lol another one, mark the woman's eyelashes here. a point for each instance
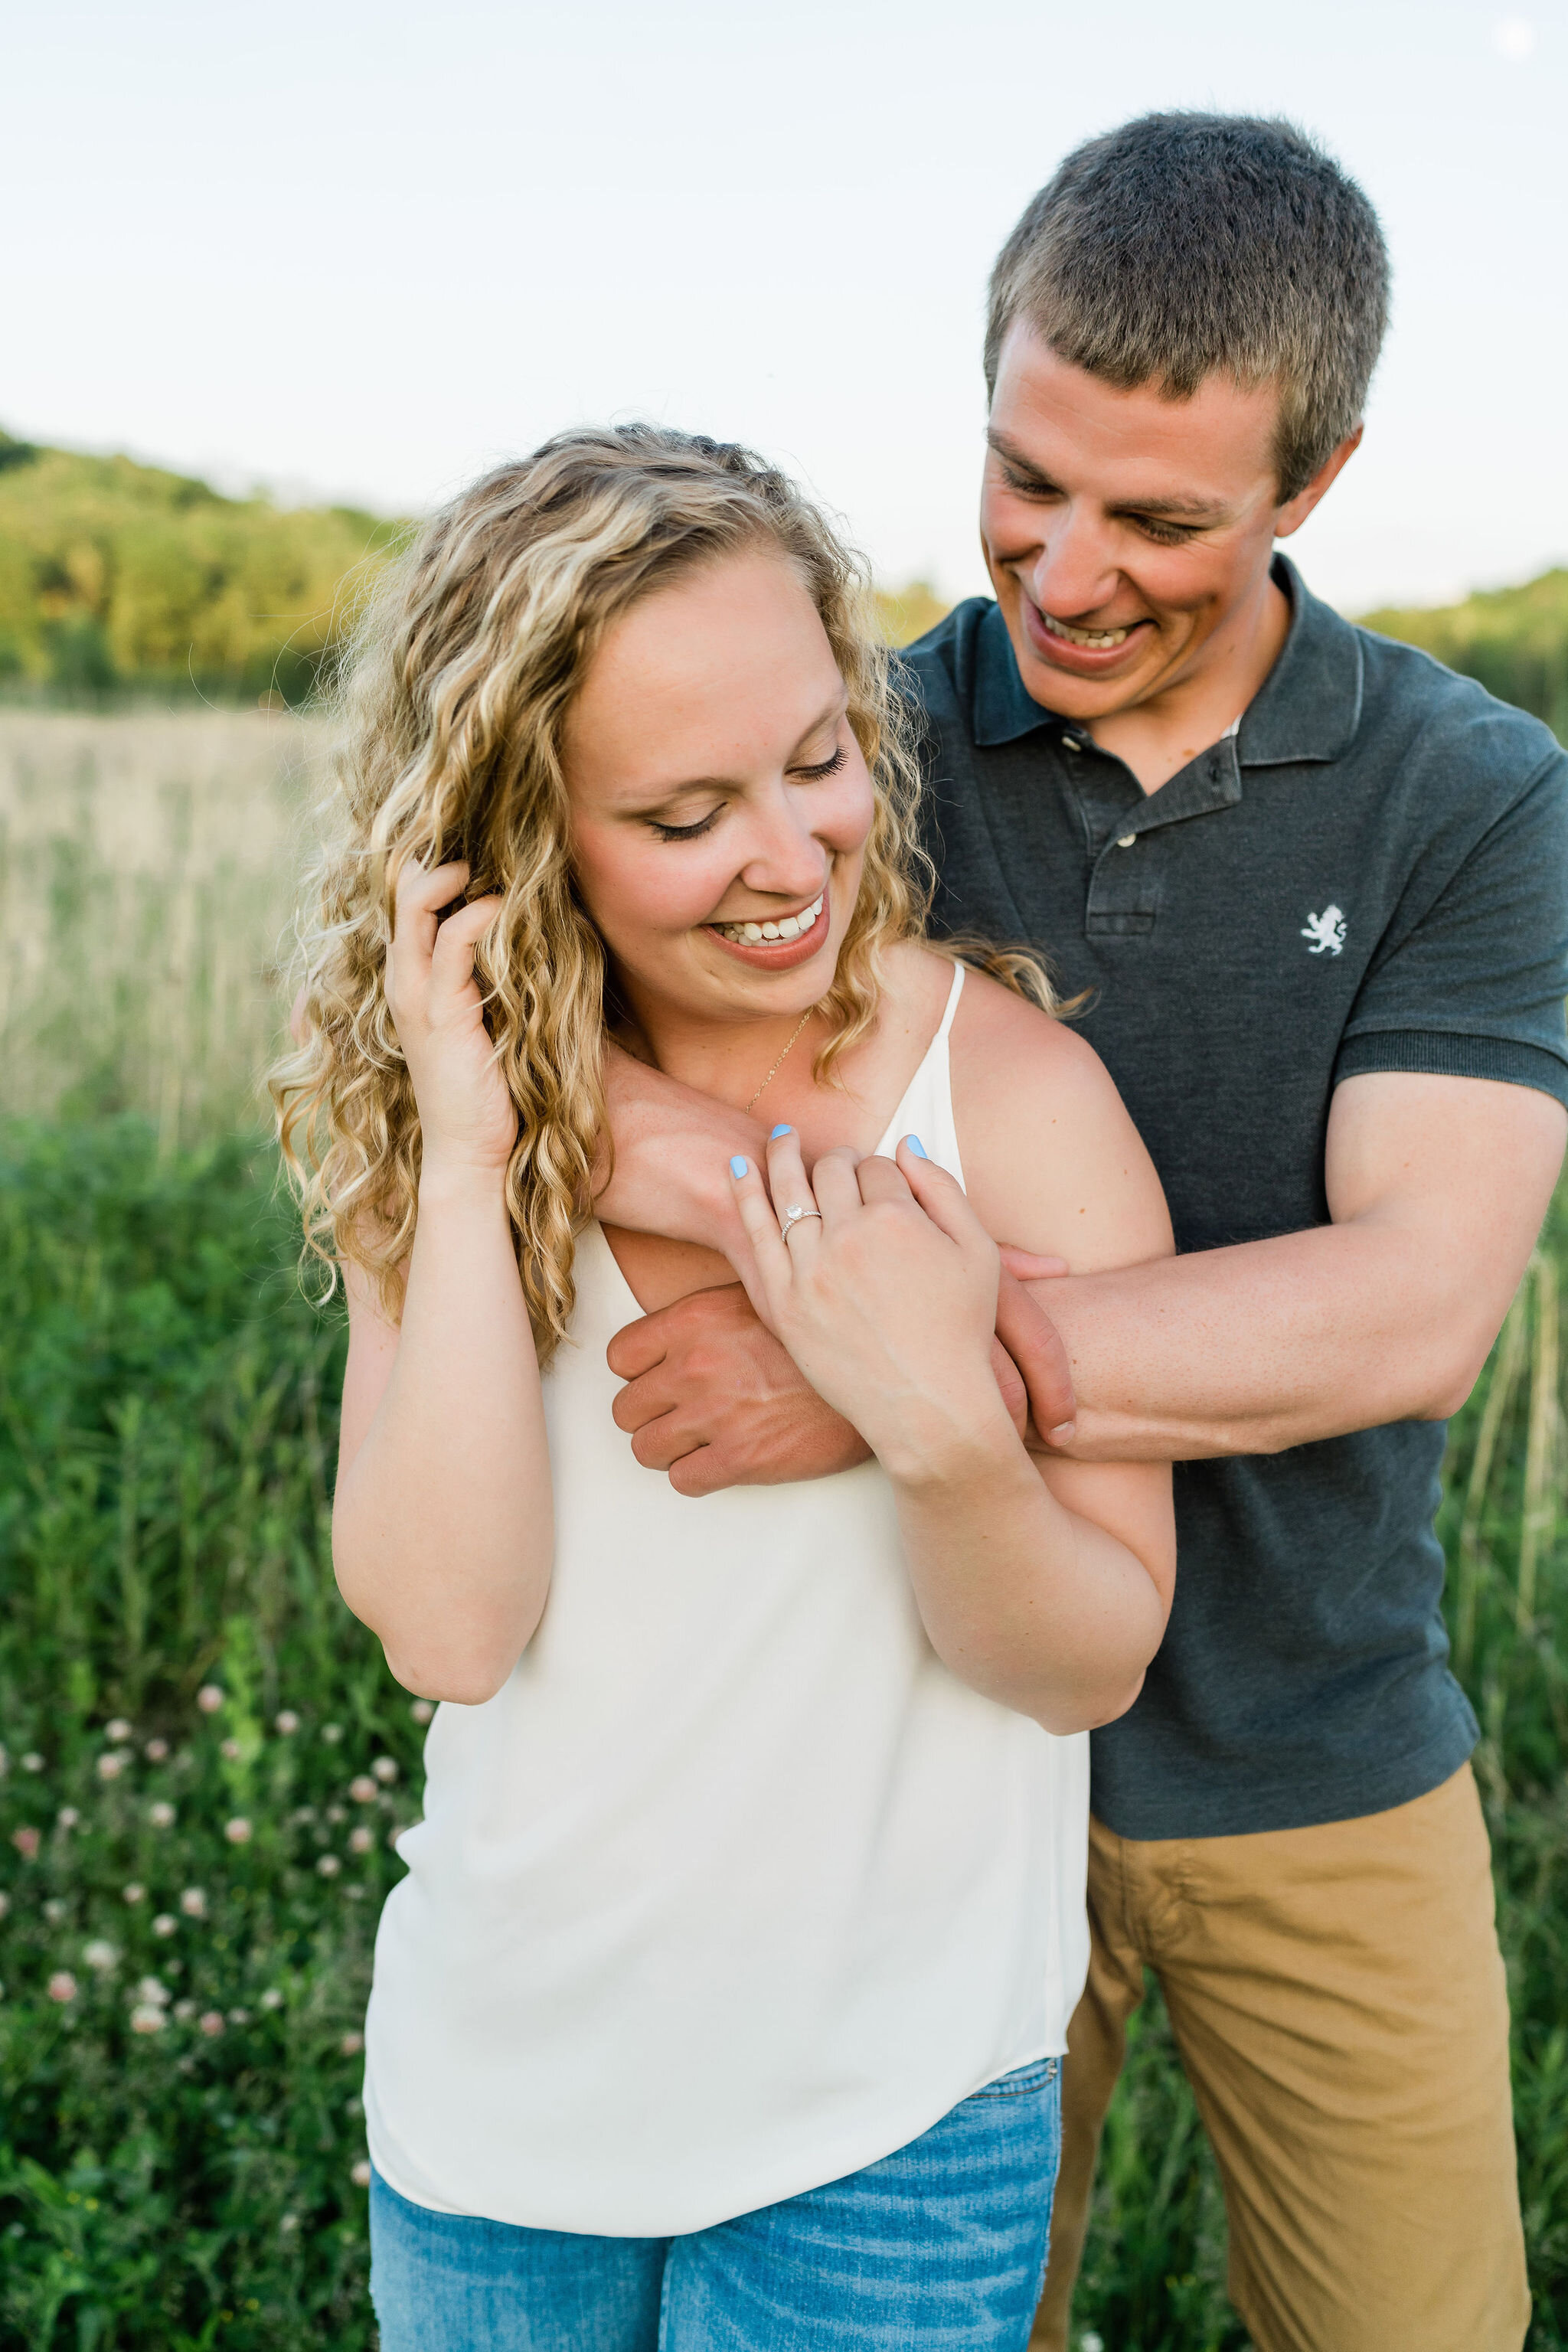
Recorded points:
(816, 774)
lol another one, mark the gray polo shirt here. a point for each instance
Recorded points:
(1371, 874)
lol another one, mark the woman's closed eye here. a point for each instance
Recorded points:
(687, 831)
(824, 768)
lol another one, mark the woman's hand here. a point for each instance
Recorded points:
(885, 1298)
(467, 1116)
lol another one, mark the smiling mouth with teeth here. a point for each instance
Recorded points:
(788, 927)
(1096, 640)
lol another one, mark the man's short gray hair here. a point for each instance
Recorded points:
(1185, 245)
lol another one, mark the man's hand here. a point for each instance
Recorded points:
(714, 1399)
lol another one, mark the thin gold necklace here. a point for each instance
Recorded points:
(778, 1065)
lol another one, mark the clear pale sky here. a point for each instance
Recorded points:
(363, 250)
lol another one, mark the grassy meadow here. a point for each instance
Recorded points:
(204, 1756)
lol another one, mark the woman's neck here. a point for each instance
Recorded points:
(732, 1061)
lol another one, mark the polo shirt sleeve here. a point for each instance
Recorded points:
(1470, 977)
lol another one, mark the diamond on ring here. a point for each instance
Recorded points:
(793, 1216)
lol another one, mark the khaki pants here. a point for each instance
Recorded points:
(1337, 1997)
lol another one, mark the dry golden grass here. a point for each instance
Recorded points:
(147, 868)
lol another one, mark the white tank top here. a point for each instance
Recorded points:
(733, 1888)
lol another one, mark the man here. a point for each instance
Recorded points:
(1319, 889)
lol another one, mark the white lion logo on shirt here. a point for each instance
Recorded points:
(1326, 931)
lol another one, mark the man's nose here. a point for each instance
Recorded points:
(1074, 572)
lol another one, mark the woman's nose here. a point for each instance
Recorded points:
(784, 859)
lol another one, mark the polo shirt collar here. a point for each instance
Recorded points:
(1308, 707)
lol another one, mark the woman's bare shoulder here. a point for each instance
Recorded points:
(1052, 1162)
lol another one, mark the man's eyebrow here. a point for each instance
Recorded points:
(1178, 510)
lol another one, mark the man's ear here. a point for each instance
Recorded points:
(1294, 512)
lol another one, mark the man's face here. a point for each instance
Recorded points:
(1127, 537)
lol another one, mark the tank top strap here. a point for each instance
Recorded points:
(953, 993)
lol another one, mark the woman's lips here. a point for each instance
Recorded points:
(1085, 661)
(778, 955)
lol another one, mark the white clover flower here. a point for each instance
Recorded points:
(134, 1893)
(230, 1747)
(363, 1788)
(25, 1841)
(62, 1985)
(193, 1903)
(359, 2176)
(336, 1813)
(146, 2018)
(385, 1771)
(153, 1990)
(32, 1761)
(54, 1910)
(272, 1998)
(287, 1722)
(239, 1831)
(209, 1699)
(164, 1924)
(332, 1733)
(100, 1955)
(156, 1751)
(162, 1814)
(239, 2017)
(361, 1840)
(288, 2223)
(350, 2042)
(68, 1817)
(118, 1729)
(111, 1764)
(185, 2010)
(301, 1815)
(421, 1710)
(210, 2023)
(329, 1865)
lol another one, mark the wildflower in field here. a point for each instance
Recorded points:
(239, 1831)
(146, 2018)
(329, 1865)
(303, 1815)
(161, 1815)
(153, 1990)
(68, 1817)
(54, 1911)
(164, 1924)
(193, 1903)
(288, 2223)
(272, 1998)
(99, 1956)
(4, 1903)
(156, 1751)
(32, 1761)
(361, 1840)
(25, 1841)
(230, 1747)
(210, 2023)
(118, 1729)
(350, 2042)
(5, 1761)
(363, 1788)
(185, 2010)
(133, 1893)
(111, 1764)
(421, 1710)
(62, 1985)
(332, 1733)
(209, 1699)
(336, 1813)
(286, 1722)
(239, 2017)
(361, 2174)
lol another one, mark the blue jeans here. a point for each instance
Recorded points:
(941, 2244)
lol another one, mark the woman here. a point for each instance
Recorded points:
(723, 2002)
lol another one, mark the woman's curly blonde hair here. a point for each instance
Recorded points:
(452, 700)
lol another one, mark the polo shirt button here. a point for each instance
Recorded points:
(1125, 840)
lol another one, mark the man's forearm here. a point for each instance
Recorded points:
(1267, 1345)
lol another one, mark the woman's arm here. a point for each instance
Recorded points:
(442, 1529)
(1047, 1588)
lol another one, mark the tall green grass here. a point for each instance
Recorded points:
(167, 1406)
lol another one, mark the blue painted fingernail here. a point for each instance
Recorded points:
(738, 1166)
(785, 1129)
(917, 1147)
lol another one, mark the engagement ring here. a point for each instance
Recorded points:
(793, 1216)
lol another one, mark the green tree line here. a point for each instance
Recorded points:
(118, 577)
